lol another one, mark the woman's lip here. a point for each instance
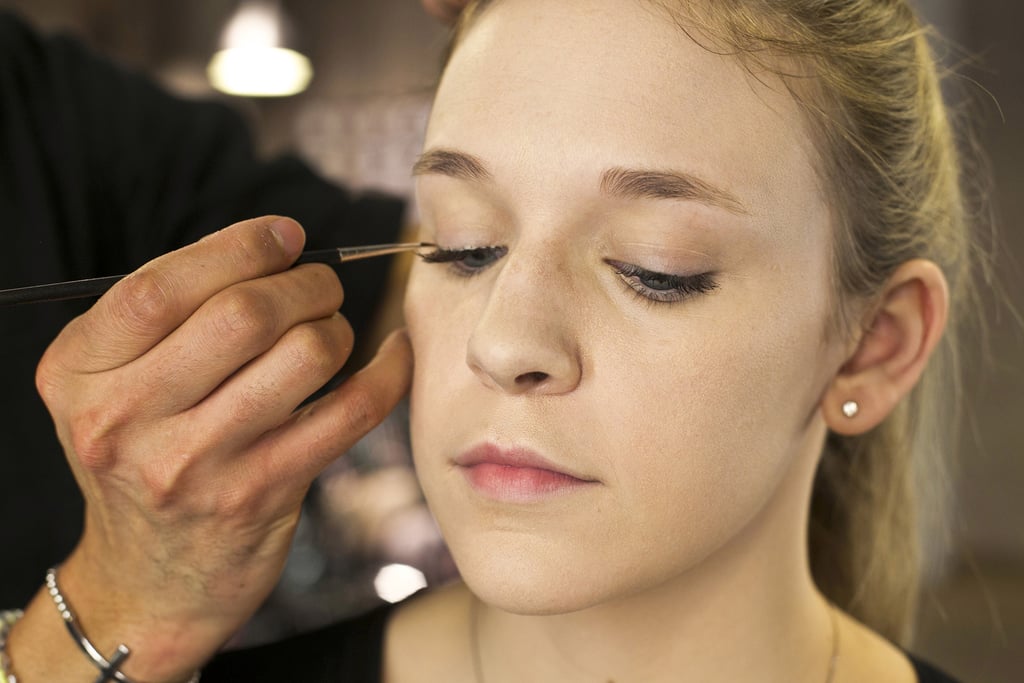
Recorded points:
(516, 475)
(491, 454)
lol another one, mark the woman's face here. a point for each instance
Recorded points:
(619, 357)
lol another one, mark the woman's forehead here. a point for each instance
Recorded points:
(583, 85)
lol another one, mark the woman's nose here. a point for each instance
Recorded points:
(523, 341)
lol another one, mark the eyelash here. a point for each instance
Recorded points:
(672, 288)
(457, 258)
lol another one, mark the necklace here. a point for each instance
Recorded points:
(478, 667)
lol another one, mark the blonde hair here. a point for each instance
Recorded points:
(865, 75)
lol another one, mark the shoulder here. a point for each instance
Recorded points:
(427, 638)
(12, 26)
(864, 655)
(867, 656)
(23, 49)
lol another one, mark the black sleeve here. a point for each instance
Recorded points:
(347, 652)
(100, 171)
(926, 673)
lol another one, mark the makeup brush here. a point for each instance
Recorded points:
(81, 289)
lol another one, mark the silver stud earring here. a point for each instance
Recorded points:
(850, 409)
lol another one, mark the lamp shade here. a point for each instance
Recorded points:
(255, 58)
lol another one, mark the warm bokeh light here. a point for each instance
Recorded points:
(255, 60)
(260, 71)
(395, 582)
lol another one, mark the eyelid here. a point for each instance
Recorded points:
(677, 288)
(459, 260)
(681, 287)
(447, 255)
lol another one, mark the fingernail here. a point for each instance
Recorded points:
(289, 235)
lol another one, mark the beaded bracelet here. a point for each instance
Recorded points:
(7, 619)
(108, 669)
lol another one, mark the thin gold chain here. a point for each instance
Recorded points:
(835, 643)
(474, 638)
(478, 666)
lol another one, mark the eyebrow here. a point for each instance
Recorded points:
(451, 163)
(627, 183)
(650, 184)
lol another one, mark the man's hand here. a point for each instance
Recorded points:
(176, 400)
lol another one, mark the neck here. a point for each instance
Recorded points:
(749, 612)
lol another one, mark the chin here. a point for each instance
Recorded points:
(536, 583)
(527, 598)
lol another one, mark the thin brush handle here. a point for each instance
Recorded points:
(96, 286)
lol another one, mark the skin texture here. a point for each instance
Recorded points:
(698, 423)
(654, 383)
(175, 398)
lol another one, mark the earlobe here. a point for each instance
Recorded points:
(900, 335)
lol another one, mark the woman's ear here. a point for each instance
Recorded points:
(899, 337)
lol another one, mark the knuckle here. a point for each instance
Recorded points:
(251, 247)
(47, 379)
(244, 313)
(162, 479)
(143, 299)
(313, 350)
(346, 334)
(93, 435)
(250, 403)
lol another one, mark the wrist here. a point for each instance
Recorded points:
(7, 620)
(41, 647)
(112, 666)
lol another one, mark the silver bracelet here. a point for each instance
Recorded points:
(108, 669)
(7, 619)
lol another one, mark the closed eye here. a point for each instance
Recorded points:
(466, 262)
(663, 287)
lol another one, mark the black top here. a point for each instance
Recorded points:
(926, 673)
(347, 652)
(351, 652)
(100, 171)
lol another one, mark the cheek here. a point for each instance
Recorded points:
(438, 331)
(424, 328)
(692, 422)
(700, 428)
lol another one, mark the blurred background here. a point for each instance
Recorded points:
(367, 535)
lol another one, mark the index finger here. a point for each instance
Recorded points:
(149, 304)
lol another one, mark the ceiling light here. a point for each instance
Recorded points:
(255, 59)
